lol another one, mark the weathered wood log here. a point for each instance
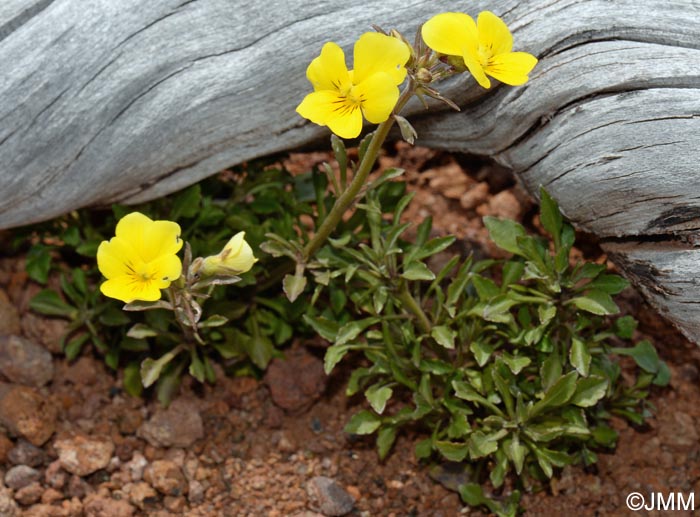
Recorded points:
(125, 101)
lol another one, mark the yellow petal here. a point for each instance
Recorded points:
(375, 52)
(512, 68)
(450, 33)
(165, 270)
(160, 238)
(131, 228)
(494, 36)
(378, 95)
(471, 61)
(116, 257)
(328, 71)
(234, 245)
(318, 106)
(124, 288)
(346, 123)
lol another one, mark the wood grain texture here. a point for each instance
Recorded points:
(108, 101)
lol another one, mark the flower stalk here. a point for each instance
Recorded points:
(348, 197)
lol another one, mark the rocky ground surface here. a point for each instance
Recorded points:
(72, 443)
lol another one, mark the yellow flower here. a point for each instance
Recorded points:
(141, 259)
(485, 46)
(341, 97)
(236, 258)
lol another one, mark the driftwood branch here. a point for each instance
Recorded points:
(108, 101)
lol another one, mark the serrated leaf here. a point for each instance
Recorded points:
(351, 330)
(444, 336)
(515, 363)
(482, 445)
(452, 451)
(580, 357)
(364, 422)
(377, 396)
(293, 285)
(589, 391)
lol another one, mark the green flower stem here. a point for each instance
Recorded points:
(410, 304)
(350, 194)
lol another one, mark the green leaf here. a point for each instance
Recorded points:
(558, 394)
(141, 331)
(350, 331)
(444, 336)
(334, 354)
(482, 351)
(187, 203)
(113, 317)
(546, 313)
(408, 133)
(74, 346)
(417, 271)
(424, 449)
(356, 377)
(625, 327)
(385, 439)
(215, 320)
(49, 303)
(589, 391)
(663, 376)
(364, 422)
(516, 452)
(580, 357)
(377, 395)
(327, 329)
(515, 363)
(596, 302)
(38, 263)
(293, 285)
(644, 354)
(550, 216)
(482, 445)
(151, 368)
(196, 368)
(485, 288)
(132, 380)
(611, 284)
(505, 233)
(452, 451)
(512, 272)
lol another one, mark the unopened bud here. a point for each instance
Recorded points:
(236, 258)
(424, 76)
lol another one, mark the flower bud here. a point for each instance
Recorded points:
(236, 258)
(424, 76)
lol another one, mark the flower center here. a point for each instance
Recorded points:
(485, 54)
